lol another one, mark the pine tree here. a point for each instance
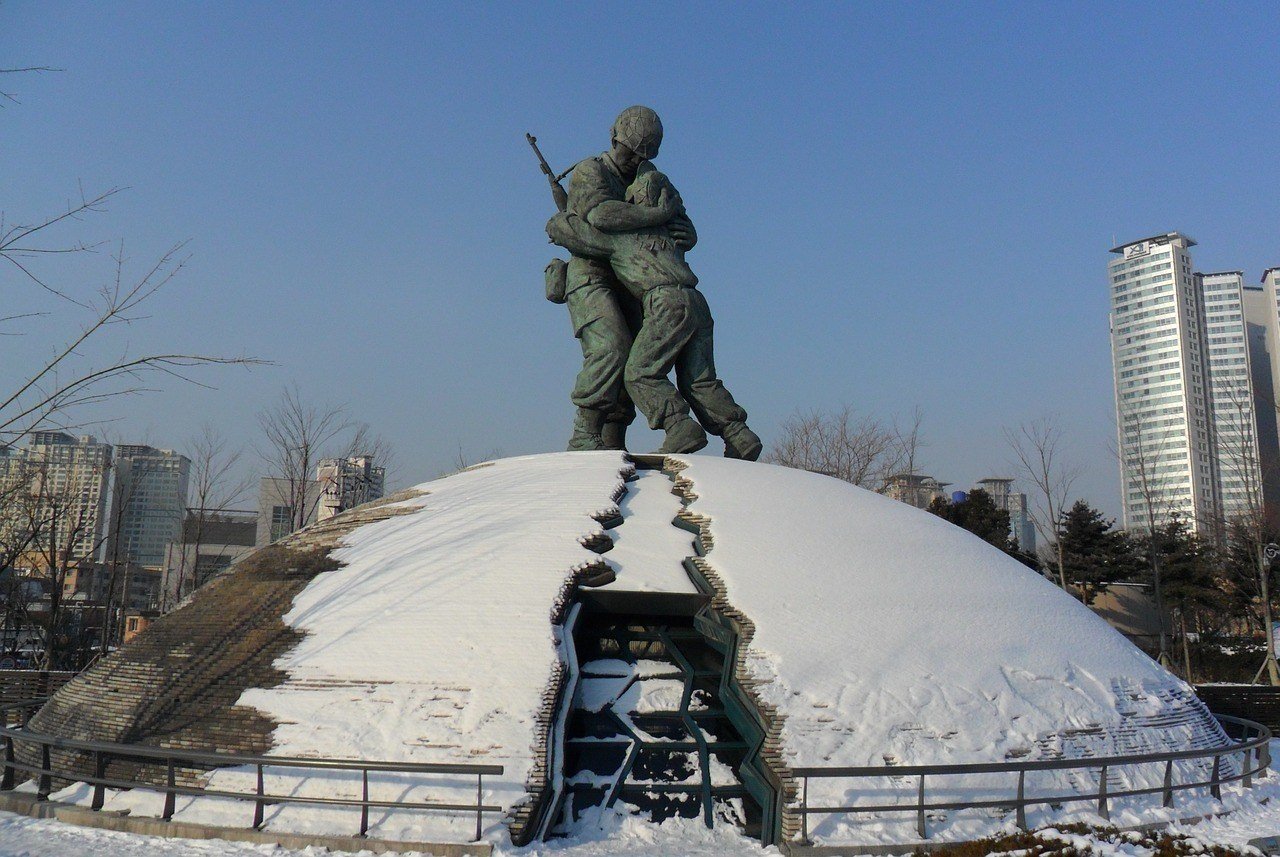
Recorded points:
(1190, 586)
(1093, 553)
(978, 514)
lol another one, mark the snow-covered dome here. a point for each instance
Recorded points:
(854, 630)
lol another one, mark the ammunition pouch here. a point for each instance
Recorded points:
(555, 275)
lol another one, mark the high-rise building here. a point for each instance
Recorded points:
(1021, 527)
(1161, 386)
(149, 501)
(1194, 382)
(63, 480)
(1237, 317)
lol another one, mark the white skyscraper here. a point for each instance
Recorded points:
(1158, 349)
(1195, 376)
(1236, 321)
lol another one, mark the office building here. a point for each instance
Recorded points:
(339, 484)
(212, 539)
(346, 483)
(1021, 528)
(914, 489)
(149, 501)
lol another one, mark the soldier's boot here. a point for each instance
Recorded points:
(741, 442)
(683, 435)
(586, 431)
(614, 435)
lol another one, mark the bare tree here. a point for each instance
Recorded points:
(1037, 446)
(298, 437)
(57, 509)
(1145, 446)
(1243, 513)
(49, 393)
(858, 449)
(31, 69)
(214, 488)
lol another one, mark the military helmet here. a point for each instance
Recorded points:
(640, 130)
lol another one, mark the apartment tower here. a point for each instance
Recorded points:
(1158, 351)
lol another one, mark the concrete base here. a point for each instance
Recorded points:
(25, 803)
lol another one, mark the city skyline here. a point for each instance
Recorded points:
(356, 201)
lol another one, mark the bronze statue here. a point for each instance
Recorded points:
(634, 302)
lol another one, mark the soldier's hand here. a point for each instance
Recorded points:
(680, 233)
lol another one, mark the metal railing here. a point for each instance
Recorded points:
(1253, 746)
(104, 753)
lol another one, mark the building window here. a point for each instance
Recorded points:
(281, 522)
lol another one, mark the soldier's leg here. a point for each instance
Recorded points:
(605, 340)
(713, 405)
(668, 324)
(616, 422)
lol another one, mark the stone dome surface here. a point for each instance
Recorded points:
(870, 633)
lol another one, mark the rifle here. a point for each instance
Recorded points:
(557, 192)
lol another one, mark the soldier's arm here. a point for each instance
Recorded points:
(591, 196)
(616, 216)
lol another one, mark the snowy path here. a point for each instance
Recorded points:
(27, 837)
(648, 548)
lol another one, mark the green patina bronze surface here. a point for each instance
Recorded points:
(634, 305)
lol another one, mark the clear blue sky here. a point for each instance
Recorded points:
(899, 204)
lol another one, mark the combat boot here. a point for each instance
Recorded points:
(586, 431)
(741, 442)
(614, 435)
(683, 435)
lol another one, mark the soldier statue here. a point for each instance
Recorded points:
(634, 303)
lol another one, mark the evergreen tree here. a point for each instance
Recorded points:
(1191, 588)
(1093, 553)
(978, 514)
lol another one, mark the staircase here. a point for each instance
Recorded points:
(647, 726)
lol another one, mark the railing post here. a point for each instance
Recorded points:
(1103, 809)
(1168, 783)
(6, 782)
(364, 806)
(920, 825)
(1214, 788)
(1020, 812)
(479, 803)
(44, 784)
(804, 812)
(99, 774)
(259, 804)
(1248, 774)
(1264, 758)
(169, 795)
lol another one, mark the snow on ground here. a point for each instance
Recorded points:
(620, 836)
(885, 635)
(432, 643)
(647, 550)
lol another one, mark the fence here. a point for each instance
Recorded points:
(104, 753)
(1253, 746)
